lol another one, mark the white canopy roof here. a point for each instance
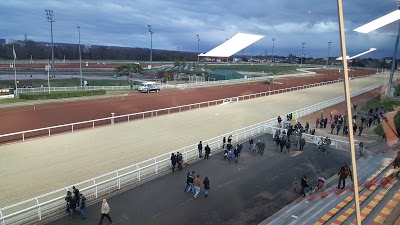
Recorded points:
(358, 55)
(233, 45)
(380, 22)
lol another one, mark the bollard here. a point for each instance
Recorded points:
(112, 118)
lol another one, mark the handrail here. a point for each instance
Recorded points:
(241, 134)
(243, 97)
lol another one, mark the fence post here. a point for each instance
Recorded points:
(112, 118)
(49, 132)
(39, 210)
(156, 167)
(118, 181)
(23, 136)
(72, 128)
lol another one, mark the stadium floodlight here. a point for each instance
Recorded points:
(358, 55)
(302, 54)
(50, 18)
(272, 54)
(232, 45)
(198, 49)
(329, 49)
(151, 45)
(80, 56)
(378, 23)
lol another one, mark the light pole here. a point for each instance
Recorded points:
(329, 49)
(198, 49)
(302, 53)
(151, 45)
(80, 56)
(50, 18)
(272, 54)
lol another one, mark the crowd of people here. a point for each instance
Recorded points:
(193, 185)
(76, 204)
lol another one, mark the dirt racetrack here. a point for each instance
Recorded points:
(27, 118)
(91, 65)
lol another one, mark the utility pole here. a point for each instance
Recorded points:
(327, 59)
(272, 54)
(50, 18)
(151, 45)
(302, 54)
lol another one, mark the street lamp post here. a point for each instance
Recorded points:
(151, 45)
(329, 49)
(272, 54)
(302, 54)
(198, 49)
(50, 18)
(80, 56)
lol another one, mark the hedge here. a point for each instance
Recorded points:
(60, 94)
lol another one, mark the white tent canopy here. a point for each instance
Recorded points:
(358, 55)
(380, 22)
(233, 45)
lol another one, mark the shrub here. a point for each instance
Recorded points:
(60, 94)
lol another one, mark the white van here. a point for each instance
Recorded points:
(148, 86)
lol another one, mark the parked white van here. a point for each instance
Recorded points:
(148, 86)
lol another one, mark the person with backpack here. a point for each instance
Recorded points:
(343, 174)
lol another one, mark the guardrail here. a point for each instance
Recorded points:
(53, 203)
(22, 135)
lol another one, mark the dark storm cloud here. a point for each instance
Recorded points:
(176, 23)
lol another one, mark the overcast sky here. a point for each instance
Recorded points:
(175, 23)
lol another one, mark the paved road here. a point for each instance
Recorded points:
(243, 193)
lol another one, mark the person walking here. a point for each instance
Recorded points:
(338, 126)
(197, 183)
(361, 148)
(173, 161)
(82, 206)
(343, 174)
(251, 142)
(236, 153)
(207, 150)
(304, 185)
(332, 127)
(190, 180)
(200, 148)
(223, 142)
(282, 143)
(68, 199)
(383, 136)
(360, 129)
(206, 183)
(354, 129)
(316, 123)
(105, 211)
(302, 143)
(72, 205)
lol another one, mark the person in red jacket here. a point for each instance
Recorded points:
(343, 174)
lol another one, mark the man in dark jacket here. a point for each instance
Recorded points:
(207, 151)
(338, 126)
(332, 127)
(282, 143)
(82, 206)
(343, 174)
(173, 161)
(76, 193)
(190, 180)
(200, 148)
(302, 143)
(304, 185)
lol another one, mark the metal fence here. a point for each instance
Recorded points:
(53, 203)
(22, 135)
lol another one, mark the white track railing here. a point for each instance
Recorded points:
(48, 131)
(53, 203)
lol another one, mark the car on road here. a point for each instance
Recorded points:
(149, 87)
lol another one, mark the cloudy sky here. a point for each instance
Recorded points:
(176, 22)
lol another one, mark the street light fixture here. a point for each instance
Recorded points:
(50, 18)
(198, 49)
(329, 49)
(272, 54)
(151, 45)
(378, 23)
(302, 54)
(80, 56)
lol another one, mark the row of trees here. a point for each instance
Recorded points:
(71, 52)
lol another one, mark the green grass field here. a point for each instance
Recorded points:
(11, 100)
(62, 83)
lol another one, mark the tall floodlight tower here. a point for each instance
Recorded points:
(198, 49)
(80, 56)
(272, 54)
(302, 54)
(50, 18)
(151, 45)
(329, 49)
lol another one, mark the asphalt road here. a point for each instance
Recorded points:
(243, 193)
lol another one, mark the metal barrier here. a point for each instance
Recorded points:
(22, 135)
(53, 203)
